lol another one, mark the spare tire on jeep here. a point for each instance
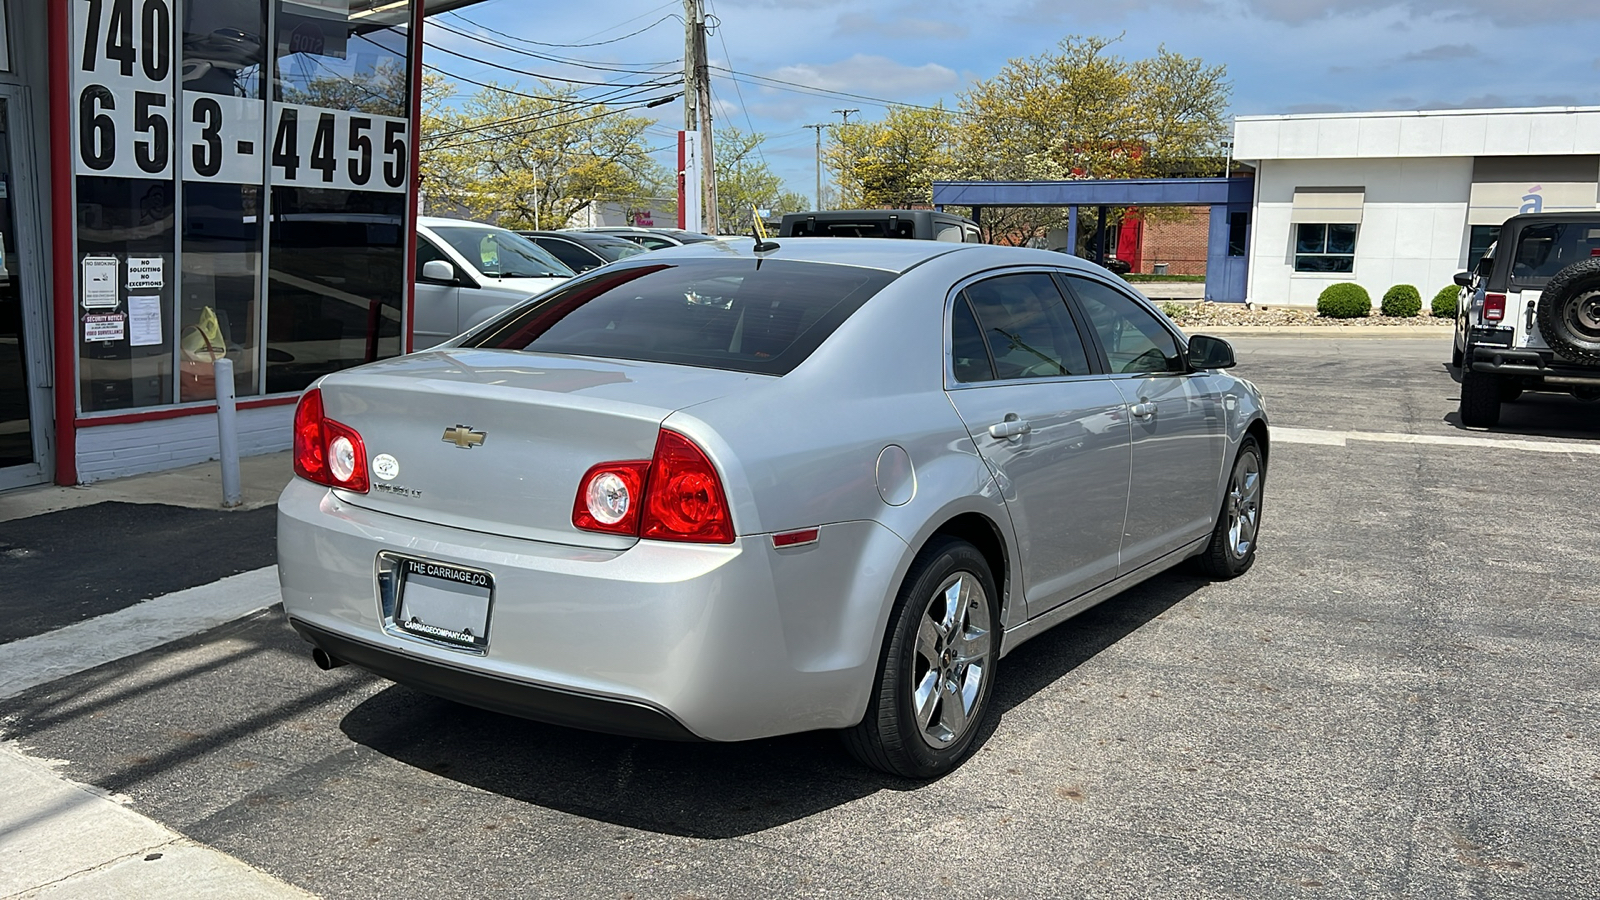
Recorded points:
(1569, 312)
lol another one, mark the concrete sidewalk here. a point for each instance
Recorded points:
(61, 839)
(262, 479)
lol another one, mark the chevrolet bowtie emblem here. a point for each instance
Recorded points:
(464, 437)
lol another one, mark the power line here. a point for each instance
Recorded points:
(505, 90)
(516, 71)
(764, 81)
(528, 131)
(736, 91)
(522, 40)
(630, 68)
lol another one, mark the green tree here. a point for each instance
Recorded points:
(746, 183)
(892, 163)
(1083, 112)
(535, 158)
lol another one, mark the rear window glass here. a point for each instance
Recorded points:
(1547, 248)
(743, 315)
(878, 228)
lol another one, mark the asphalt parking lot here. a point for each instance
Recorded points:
(1400, 699)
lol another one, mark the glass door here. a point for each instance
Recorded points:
(23, 405)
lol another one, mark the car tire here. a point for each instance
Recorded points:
(1569, 312)
(1232, 550)
(935, 675)
(1480, 400)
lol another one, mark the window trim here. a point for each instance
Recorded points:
(1096, 359)
(1063, 277)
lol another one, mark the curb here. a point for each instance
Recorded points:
(1330, 331)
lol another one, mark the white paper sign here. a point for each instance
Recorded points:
(111, 327)
(100, 282)
(144, 272)
(144, 321)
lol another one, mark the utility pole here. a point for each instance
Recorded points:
(818, 129)
(846, 113)
(848, 164)
(697, 107)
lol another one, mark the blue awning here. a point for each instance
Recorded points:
(1096, 192)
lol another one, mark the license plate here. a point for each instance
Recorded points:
(444, 602)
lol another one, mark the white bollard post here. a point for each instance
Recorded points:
(227, 434)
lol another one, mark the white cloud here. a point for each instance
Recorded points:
(874, 76)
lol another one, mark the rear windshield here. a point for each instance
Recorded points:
(744, 315)
(1547, 248)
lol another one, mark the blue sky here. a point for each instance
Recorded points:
(1282, 56)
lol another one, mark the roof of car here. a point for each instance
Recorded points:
(890, 254)
(437, 221)
(599, 238)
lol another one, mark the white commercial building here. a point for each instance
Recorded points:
(1388, 198)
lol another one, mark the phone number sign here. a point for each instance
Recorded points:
(128, 123)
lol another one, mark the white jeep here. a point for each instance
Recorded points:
(1528, 317)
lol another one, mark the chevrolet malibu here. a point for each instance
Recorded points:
(727, 491)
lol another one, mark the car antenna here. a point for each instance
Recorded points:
(762, 244)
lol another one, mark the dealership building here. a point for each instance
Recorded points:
(1386, 198)
(183, 181)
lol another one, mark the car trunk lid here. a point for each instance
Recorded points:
(496, 441)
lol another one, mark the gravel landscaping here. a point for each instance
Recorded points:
(1206, 314)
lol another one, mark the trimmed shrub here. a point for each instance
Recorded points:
(1401, 301)
(1444, 302)
(1345, 300)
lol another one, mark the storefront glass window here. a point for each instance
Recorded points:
(241, 192)
(340, 160)
(220, 301)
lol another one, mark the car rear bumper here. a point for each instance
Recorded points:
(1542, 365)
(662, 640)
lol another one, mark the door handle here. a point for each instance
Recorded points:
(1144, 409)
(1012, 429)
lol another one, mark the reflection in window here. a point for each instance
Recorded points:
(1325, 248)
(344, 54)
(219, 303)
(336, 279)
(1027, 326)
(127, 219)
(969, 355)
(1478, 242)
(1544, 250)
(1133, 338)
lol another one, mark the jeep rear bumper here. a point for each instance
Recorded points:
(1542, 365)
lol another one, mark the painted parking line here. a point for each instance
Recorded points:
(1341, 438)
(43, 658)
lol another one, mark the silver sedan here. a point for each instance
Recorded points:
(723, 492)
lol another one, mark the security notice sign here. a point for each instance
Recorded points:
(122, 58)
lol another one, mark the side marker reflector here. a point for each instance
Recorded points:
(795, 538)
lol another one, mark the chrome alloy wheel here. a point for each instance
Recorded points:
(1244, 504)
(951, 660)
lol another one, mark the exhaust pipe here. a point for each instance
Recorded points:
(323, 660)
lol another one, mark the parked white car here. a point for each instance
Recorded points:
(468, 273)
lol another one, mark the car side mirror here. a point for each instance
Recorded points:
(1207, 352)
(439, 270)
(1463, 279)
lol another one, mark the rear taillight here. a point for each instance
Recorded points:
(675, 496)
(610, 497)
(327, 452)
(1494, 307)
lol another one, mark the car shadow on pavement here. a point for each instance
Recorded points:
(1540, 415)
(701, 790)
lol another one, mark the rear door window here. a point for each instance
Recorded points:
(1547, 248)
(1024, 320)
(744, 315)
